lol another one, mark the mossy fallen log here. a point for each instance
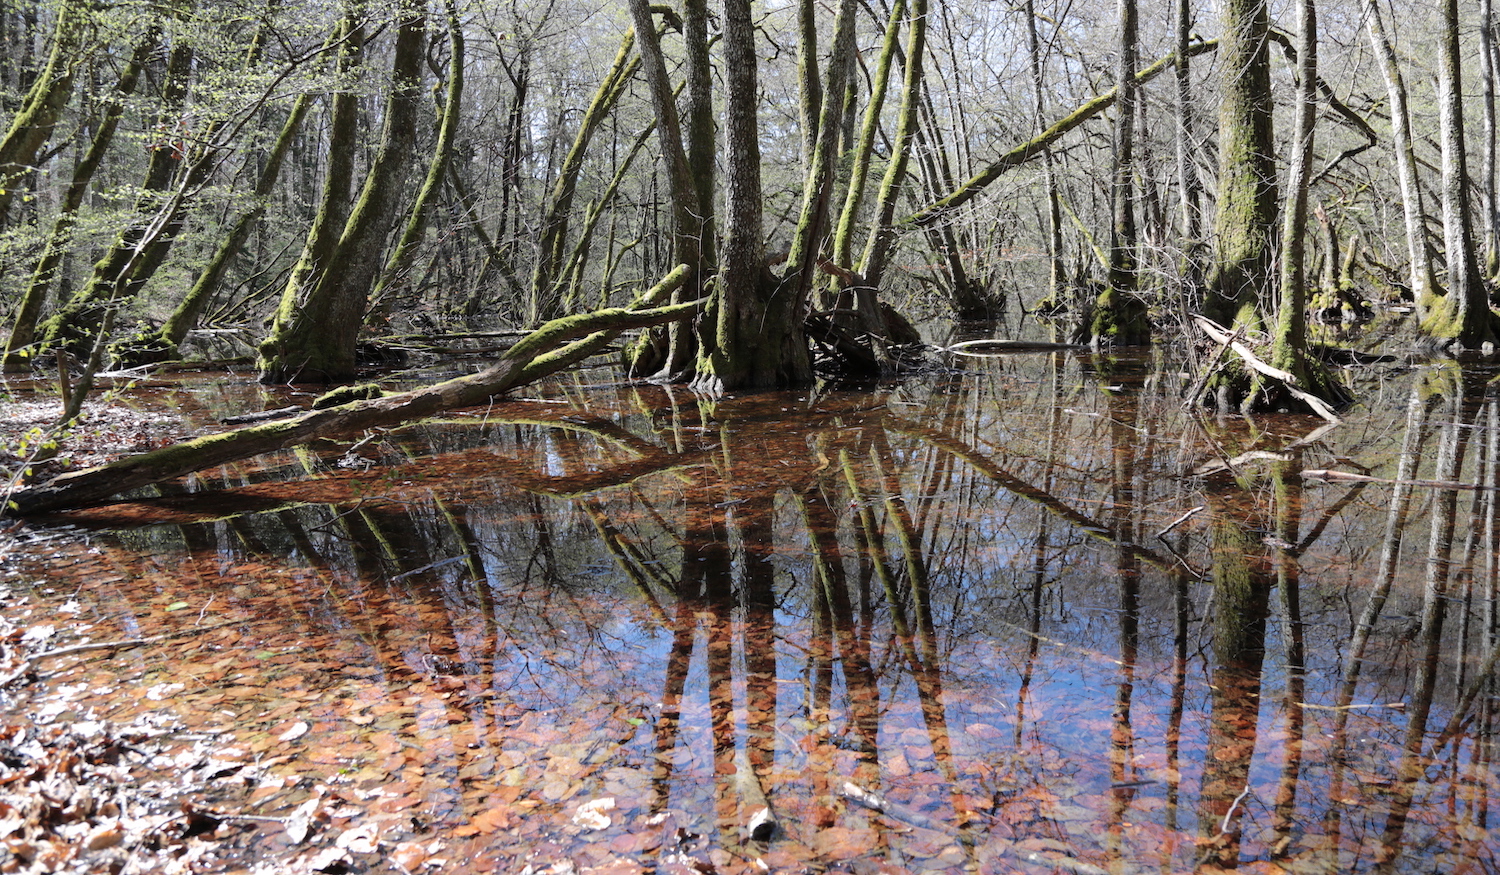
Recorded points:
(550, 348)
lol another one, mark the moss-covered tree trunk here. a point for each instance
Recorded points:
(864, 148)
(1422, 282)
(134, 256)
(1461, 316)
(50, 92)
(942, 208)
(882, 239)
(338, 179)
(18, 352)
(1244, 226)
(1119, 313)
(755, 337)
(553, 346)
(809, 238)
(316, 329)
(399, 263)
(150, 346)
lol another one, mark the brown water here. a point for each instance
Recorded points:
(1008, 602)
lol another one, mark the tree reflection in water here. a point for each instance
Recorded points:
(987, 622)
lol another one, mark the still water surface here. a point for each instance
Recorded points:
(1031, 609)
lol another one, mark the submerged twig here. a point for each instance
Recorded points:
(895, 810)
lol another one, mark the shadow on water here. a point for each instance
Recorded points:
(1024, 615)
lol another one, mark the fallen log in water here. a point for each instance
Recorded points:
(996, 346)
(550, 348)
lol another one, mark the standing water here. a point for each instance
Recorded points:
(1025, 614)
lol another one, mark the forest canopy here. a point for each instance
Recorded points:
(290, 180)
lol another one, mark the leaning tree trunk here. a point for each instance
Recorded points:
(76, 323)
(32, 124)
(159, 345)
(18, 352)
(316, 330)
(150, 346)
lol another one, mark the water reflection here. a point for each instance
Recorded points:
(990, 620)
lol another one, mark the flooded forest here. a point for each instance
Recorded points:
(858, 436)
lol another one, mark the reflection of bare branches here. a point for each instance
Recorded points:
(1016, 485)
(635, 565)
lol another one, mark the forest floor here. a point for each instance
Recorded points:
(97, 778)
(86, 795)
(106, 431)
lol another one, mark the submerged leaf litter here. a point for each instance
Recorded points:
(988, 624)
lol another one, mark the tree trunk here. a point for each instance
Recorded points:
(44, 102)
(150, 347)
(1119, 313)
(1056, 272)
(864, 149)
(75, 325)
(688, 216)
(18, 355)
(1422, 283)
(809, 237)
(1489, 74)
(1461, 315)
(399, 262)
(702, 150)
(757, 338)
(1243, 226)
(317, 326)
(1188, 188)
(883, 231)
(1289, 350)
(809, 84)
(338, 179)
